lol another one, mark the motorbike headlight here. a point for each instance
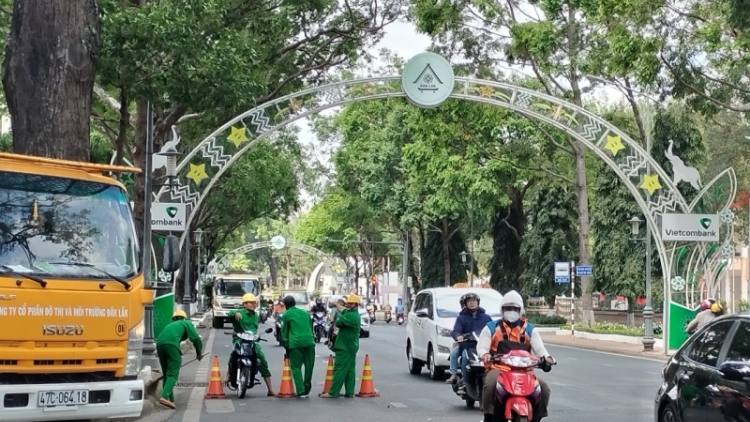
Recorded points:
(519, 361)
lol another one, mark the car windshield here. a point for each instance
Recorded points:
(46, 222)
(299, 297)
(449, 306)
(236, 287)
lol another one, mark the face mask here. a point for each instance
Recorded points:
(511, 316)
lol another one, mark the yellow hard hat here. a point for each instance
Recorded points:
(716, 308)
(179, 313)
(249, 297)
(352, 299)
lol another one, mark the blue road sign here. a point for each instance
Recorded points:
(582, 270)
(562, 272)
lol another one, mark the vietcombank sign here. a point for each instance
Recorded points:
(168, 217)
(690, 228)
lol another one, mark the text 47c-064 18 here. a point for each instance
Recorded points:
(63, 398)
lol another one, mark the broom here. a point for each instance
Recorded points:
(150, 388)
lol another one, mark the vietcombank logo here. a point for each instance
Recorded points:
(704, 222)
(171, 213)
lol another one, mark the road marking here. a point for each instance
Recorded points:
(397, 404)
(606, 364)
(621, 355)
(652, 373)
(571, 358)
(219, 406)
(195, 402)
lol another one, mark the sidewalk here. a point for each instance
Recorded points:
(628, 349)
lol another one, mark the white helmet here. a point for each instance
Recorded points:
(512, 299)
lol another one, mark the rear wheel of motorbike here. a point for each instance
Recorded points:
(218, 322)
(242, 380)
(517, 418)
(470, 403)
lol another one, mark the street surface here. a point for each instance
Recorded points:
(586, 386)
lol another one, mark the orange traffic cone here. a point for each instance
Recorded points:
(329, 375)
(286, 390)
(215, 388)
(367, 388)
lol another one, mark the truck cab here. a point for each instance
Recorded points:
(228, 290)
(71, 292)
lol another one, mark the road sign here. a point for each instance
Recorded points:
(562, 272)
(583, 269)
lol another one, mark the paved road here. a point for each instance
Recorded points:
(586, 387)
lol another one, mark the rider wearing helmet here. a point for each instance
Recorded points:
(346, 345)
(511, 332)
(471, 319)
(247, 320)
(170, 354)
(319, 306)
(710, 310)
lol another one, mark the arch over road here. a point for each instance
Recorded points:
(327, 260)
(200, 169)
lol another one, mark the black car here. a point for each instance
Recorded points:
(708, 379)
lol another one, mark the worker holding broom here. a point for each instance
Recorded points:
(297, 336)
(346, 347)
(170, 354)
(247, 320)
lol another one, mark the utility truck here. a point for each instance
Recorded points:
(71, 292)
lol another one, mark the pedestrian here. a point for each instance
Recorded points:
(247, 320)
(345, 346)
(299, 342)
(170, 354)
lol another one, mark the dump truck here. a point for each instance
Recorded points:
(71, 292)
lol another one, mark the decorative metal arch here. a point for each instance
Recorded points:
(222, 262)
(217, 152)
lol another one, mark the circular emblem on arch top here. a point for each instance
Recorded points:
(427, 80)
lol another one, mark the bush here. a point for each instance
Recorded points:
(544, 320)
(616, 328)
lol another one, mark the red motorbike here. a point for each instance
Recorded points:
(518, 389)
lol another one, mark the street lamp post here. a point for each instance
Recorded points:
(648, 312)
(199, 242)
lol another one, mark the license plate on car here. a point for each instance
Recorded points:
(62, 398)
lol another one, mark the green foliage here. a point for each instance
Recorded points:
(433, 267)
(540, 320)
(616, 329)
(551, 237)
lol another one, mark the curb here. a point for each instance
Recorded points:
(613, 350)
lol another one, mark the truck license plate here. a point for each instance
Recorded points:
(63, 398)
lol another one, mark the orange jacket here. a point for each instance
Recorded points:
(507, 338)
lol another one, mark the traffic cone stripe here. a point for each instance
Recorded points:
(367, 377)
(287, 389)
(215, 387)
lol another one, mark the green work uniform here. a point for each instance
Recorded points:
(346, 347)
(298, 338)
(170, 354)
(250, 322)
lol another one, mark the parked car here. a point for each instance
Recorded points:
(363, 317)
(430, 323)
(707, 379)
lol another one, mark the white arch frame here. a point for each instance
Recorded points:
(216, 153)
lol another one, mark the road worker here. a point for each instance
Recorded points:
(346, 346)
(170, 354)
(247, 320)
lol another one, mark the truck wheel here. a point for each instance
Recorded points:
(470, 403)
(218, 322)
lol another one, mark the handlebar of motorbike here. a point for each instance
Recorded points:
(543, 364)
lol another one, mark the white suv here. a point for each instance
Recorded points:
(430, 324)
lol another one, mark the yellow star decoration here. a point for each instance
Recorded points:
(295, 105)
(614, 144)
(651, 183)
(237, 137)
(197, 173)
(486, 91)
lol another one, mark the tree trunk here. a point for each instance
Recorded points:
(445, 237)
(631, 311)
(584, 225)
(48, 76)
(273, 268)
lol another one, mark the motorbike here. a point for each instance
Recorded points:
(245, 360)
(263, 315)
(371, 312)
(470, 389)
(277, 325)
(518, 388)
(400, 318)
(388, 317)
(319, 325)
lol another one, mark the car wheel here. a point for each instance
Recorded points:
(470, 403)
(364, 334)
(435, 372)
(668, 414)
(218, 322)
(415, 365)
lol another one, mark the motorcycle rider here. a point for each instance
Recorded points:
(247, 320)
(511, 332)
(339, 302)
(472, 319)
(710, 310)
(318, 307)
(399, 306)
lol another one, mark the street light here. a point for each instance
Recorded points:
(463, 258)
(648, 312)
(171, 153)
(198, 237)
